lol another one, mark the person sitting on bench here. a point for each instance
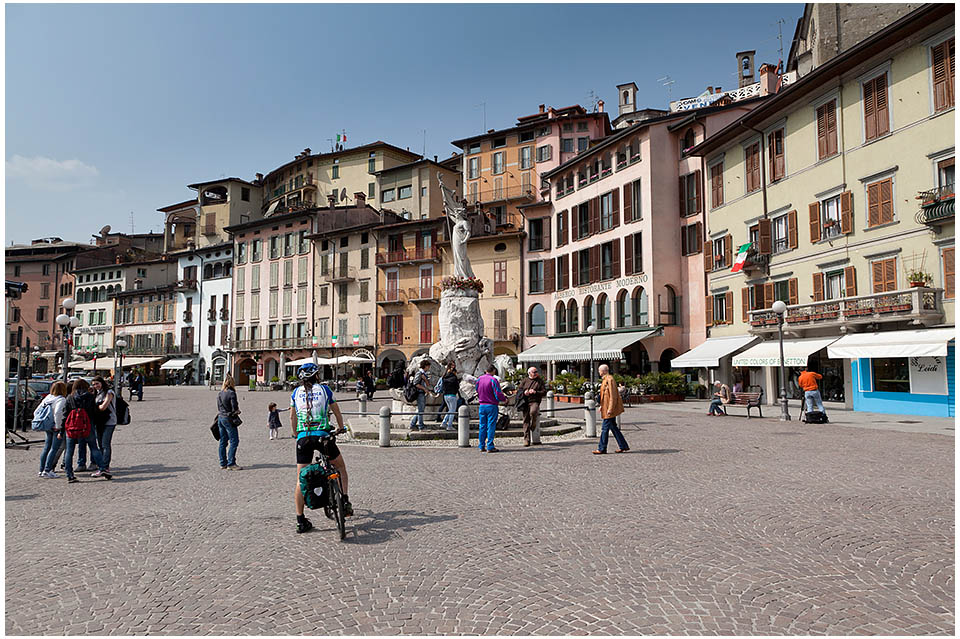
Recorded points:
(721, 396)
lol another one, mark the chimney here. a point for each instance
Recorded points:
(259, 178)
(600, 106)
(332, 200)
(434, 159)
(768, 79)
(360, 199)
(543, 108)
(710, 90)
(306, 151)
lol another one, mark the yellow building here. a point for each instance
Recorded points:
(842, 186)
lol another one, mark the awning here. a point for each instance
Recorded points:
(175, 364)
(271, 209)
(920, 343)
(795, 352)
(107, 363)
(709, 354)
(331, 361)
(577, 348)
(50, 353)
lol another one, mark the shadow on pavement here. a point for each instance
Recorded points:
(19, 497)
(656, 451)
(260, 466)
(147, 472)
(376, 528)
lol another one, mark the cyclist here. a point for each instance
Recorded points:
(310, 407)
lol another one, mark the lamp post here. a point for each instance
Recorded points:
(120, 344)
(590, 331)
(780, 309)
(66, 323)
(36, 356)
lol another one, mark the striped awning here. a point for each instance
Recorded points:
(577, 348)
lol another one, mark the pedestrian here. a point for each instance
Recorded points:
(106, 421)
(738, 386)
(273, 421)
(721, 397)
(610, 406)
(228, 414)
(533, 390)
(369, 384)
(489, 395)
(420, 381)
(450, 387)
(811, 391)
(135, 383)
(80, 399)
(57, 401)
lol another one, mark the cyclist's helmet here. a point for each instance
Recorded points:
(307, 371)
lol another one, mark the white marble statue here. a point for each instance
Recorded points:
(457, 213)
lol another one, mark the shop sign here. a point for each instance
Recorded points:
(259, 369)
(600, 287)
(928, 375)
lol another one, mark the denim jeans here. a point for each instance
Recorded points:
(82, 450)
(488, 425)
(448, 419)
(51, 446)
(231, 433)
(813, 401)
(421, 405)
(715, 407)
(610, 425)
(91, 441)
(104, 438)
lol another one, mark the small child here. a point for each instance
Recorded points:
(273, 421)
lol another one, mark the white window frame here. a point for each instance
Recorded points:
(400, 191)
(526, 162)
(773, 233)
(720, 308)
(544, 153)
(841, 284)
(824, 218)
(473, 168)
(384, 193)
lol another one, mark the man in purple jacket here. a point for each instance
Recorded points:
(489, 396)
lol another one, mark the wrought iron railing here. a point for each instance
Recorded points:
(423, 294)
(918, 302)
(510, 192)
(408, 255)
(391, 296)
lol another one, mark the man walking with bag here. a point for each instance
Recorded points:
(530, 393)
(610, 406)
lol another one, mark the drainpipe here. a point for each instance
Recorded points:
(763, 181)
(523, 312)
(703, 191)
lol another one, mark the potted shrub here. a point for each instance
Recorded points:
(919, 278)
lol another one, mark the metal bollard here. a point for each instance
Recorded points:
(587, 395)
(363, 405)
(550, 400)
(463, 427)
(384, 426)
(590, 415)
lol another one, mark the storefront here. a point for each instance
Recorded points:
(712, 359)
(624, 352)
(760, 365)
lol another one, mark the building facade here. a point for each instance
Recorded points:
(220, 203)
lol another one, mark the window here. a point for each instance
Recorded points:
(473, 168)
(582, 144)
(544, 153)
(322, 329)
(719, 255)
(606, 211)
(668, 306)
(884, 275)
(245, 196)
(371, 189)
(364, 290)
(372, 162)
(42, 314)
(583, 267)
(287, 302)
(827, 130)
(16, 271)
(944, 71)
(526, 157)
(341, 298)
(537, 320)
(498, 163)
(716, 185)
(393, 329)
(256, 250)
(949, 273)
(690, 201)
(876, 115)
(364, 258)
(404, 192)
(588, 309)
(302, 300)
(275, 247)
(603, 312)
(500, 278)
(633, 252)
(607, 262)
(525, 136)
(536, 239)
(833, 285)
(880, 203)
(830, 217)
(945, 173)
(752, 167)
(720, 309)
(775, 155)
(561, 228)
(573, 317)
(45, 291)
(344, 243)
(583, 221)
(891, 374)
(324, 294)
(499, 142)
(781, 238)
(690, 240)
(335, 170)
(387, 195)
(473, 148)
(241, 252)
(536, 277)
(426, 328)
(568, 127)
(542, 131)
(341, 332)
(566, 145)
(423, 191)
(781, 291)
(274, 298)
(274, 274)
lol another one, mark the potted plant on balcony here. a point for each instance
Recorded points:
(918, 278)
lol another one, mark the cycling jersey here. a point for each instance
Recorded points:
(313, 410)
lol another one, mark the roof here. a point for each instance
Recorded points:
(873, 46)
(47, 246)
(158, 260)
(414, 163)
(423, 220)
(181, 205)
(364, 147)
(526, 122)
(229, 179)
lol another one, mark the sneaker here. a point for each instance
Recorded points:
(223, 468)
(51, 475)
(327, 512)
(40, 473)
(304, 526)
(73, 480)
(493, 450)
(82, 468)
(347, 509)
(234, 467)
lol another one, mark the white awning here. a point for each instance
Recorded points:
(709, 354)
(331, 361)
(50, 353)
(795, 352)
(271, 209)
(577, 348)
(175, 364)
(108, 363)
(920, 343)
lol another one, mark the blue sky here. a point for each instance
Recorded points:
(113, 109)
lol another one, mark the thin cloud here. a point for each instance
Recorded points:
(48, 174)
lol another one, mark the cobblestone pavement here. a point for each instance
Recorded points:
(723, 526)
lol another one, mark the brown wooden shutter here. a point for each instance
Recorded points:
(877, 272)
(943, 75)
(595, 215)
(886, 201)
(716, 185)
(616, 208)
(850, 281)
(771, 148)
(949, 271)
(880, 103)
(565, 272)
(846, 212)
(763, 235)
(628, 255)
(728, 250)
(708, 311)
(822, 132)
(745, 304)
(574, 222)
(814, 222)
(818, 287)
(869, 110)
(699, 231)
(769, 297)
(684, 249)
(698, 188)
(616, 258)
(873, 204)
(627, 203)
(756, 166)
(546, 232)
(383, 329)
(549, 275)
(792, 291)
(399, 329)
(575, 269)
(890, 274)
(595, 263)
(792, 229)
(729, 309)
(832, 128)
(433, 237)
(683, 195)
(707, 257)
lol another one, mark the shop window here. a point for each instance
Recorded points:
(891, 375)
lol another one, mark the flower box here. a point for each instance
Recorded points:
(799, 318)
(917, 284)
(902, 307)
(884, 309)
(570, 399)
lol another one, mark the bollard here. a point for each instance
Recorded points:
(550, 400)
(590, 415)
(463, 427)
(363, 405)
(587, 396)
(384, 426)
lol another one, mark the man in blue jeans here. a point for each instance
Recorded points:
(489, 395)
(421, 380)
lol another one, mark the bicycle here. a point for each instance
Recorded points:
(334, 510)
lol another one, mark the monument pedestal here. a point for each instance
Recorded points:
(461, 338)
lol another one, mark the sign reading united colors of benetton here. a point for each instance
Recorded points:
(600, 287)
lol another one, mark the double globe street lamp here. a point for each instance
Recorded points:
(590, 331)
(780, 309)
(120, 344)
(67, 323)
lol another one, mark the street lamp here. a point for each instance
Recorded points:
(120, 344)
(780, 309)
(590, 331)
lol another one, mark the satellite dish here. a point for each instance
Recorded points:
(343, 195)
(105, 230)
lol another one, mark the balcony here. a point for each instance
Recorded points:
(936, 205)
(212, 314)
(337, 275)
(185, 285)
(504, 334)
(920, 305)
(277, 343)
(188, 316)
(224, 314)
(408, 256)
(755, 261)
(391, 296)
(506, 221)
(429, 294)
(515, 192)
(173, 349)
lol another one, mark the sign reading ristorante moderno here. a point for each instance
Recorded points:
(609, 285)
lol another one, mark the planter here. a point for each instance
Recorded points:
(832, 315)
(660, 398)
(917, 284)
(902, 307)
(884, 309)
(570, 399)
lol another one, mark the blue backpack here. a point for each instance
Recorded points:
(43, 418)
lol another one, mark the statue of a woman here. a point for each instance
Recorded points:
(457, 213)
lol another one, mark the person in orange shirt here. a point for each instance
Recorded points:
(811, 391)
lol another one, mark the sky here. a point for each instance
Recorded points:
(111, 110)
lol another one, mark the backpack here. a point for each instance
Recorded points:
(313, 487)
(410, 391)
(815, 417)
(438, 389)
(77, 424)
(43, 418)
(123, 411)
(503, 422)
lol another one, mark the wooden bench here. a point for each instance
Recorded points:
(745, 400)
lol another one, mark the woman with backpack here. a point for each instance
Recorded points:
(81, 412)
(50, 415)
(106, 419)
(228, 418)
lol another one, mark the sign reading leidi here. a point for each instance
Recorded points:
(609, 285)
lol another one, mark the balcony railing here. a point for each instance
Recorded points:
(173, 349)
(504, 333)
(277, 343)
(391, 296)
(185, 285)
(224, 314)
(511, 192)
(408, 255)
(188, 316)
(340, 274)
(506, 221)
(423, 294)
(936, 205)
(922, 305)
(212, 314)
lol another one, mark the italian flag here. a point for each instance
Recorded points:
(341, 137)
(741, 257)
(333, 340)
(356, 340)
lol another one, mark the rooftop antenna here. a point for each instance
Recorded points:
(668, 82)
(131, 222)
(483, 105)
(330, 140)
(593, 100)
(780, 36)
(424, 154)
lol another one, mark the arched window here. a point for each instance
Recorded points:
(668, 307)
(624, 314)
(103, 294)
(587, 312)
(688, 140)
(746, 65)
(626, 97)
(227, 269)
(560, 319)
(537, 320)
(641, 316)
(603, 312)
(207, 271)
(218, 269)
(79, 298)
(573, 317)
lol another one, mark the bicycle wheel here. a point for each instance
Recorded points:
(337, 498)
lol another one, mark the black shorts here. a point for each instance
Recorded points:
(307, 445)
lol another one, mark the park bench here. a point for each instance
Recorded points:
(746, 400)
